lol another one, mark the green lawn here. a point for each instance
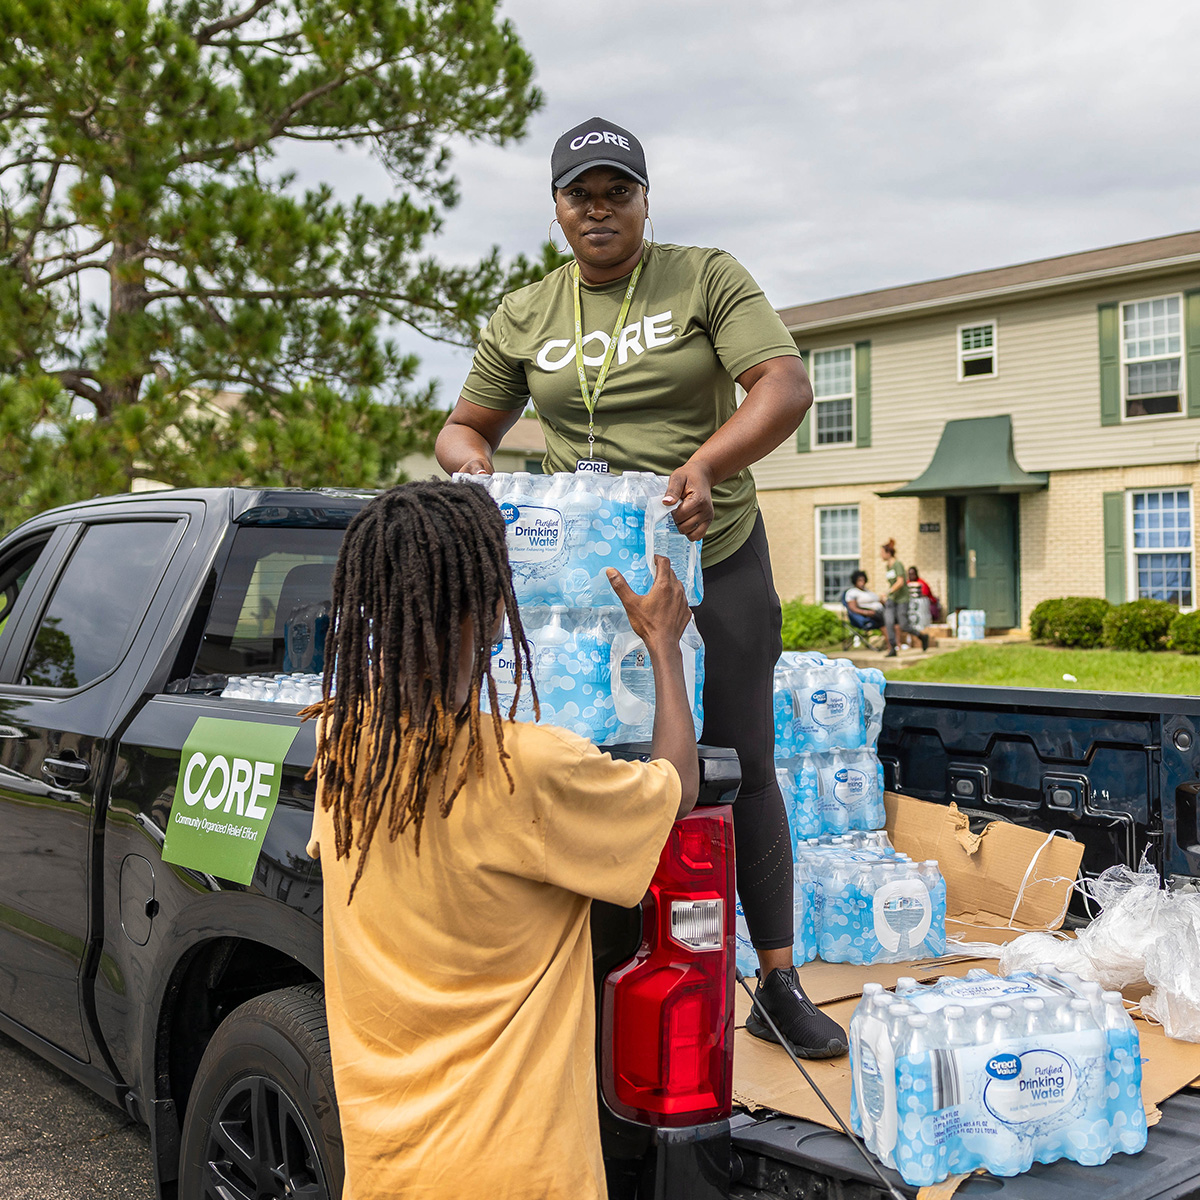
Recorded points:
(1044, 666)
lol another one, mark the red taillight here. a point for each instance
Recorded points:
(667, 1027)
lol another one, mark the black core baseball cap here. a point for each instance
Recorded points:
(597, 143)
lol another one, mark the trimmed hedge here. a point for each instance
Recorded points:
(1042, 619)
(1072, 621)
(1185, 633)
(1139, 625)
(807, 626)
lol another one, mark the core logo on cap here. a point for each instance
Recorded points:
(597, 137)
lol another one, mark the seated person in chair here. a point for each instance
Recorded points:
(864, 610)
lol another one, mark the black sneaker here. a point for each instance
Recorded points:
(809, 1032)
(924, 641)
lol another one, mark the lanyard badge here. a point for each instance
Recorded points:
(589, 401)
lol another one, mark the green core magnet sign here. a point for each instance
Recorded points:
(229, 776)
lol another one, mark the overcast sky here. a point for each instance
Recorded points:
(843, 145)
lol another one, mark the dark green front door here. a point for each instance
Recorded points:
(983, 556)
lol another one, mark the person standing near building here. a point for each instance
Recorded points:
(630, 354)
(895, 600)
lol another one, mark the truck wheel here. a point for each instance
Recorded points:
(262, 1119)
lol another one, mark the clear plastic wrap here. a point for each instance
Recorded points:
(1143, 935)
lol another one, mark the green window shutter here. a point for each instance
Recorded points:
(1110, 367)
(1114, 547)
(804, 433)
(1191, 325)
(862, 394)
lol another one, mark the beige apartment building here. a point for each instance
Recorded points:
(1022, 433)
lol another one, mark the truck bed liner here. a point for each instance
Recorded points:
(784, 1158)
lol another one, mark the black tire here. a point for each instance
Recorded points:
(262, 1119)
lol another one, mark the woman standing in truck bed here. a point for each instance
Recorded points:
(669, 330)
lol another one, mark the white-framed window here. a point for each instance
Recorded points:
(1160, 545)
(977, 350)
(1152, 357)
(837, 550)
(832, 376)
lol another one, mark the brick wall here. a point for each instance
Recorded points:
(1061, 538)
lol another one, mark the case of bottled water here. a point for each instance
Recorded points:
(835, 792)
(299, 688)
(874, 906)
(593, 673)
(970, 624)
(994, 1073)
(803, 916)
(564, 530)
(828, 715)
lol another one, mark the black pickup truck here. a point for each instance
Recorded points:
(160, 920)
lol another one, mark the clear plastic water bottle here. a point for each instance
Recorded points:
(663, 537)
(692, 645)
(632, 687)
(547, 642)
(744, 952)
(629, 535)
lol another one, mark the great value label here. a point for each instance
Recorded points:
(535, 533)
(229, 776)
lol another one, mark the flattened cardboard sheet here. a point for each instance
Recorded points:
(984, 874)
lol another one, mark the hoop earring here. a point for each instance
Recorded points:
(550, 235)
(651, 220)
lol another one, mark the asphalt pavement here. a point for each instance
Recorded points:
(60, 1141)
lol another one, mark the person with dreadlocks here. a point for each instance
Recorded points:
(460, 854)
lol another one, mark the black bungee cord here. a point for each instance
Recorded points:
(891, 1188)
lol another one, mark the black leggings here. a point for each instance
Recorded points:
(740, 622)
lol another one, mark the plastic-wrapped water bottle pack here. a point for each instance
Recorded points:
(828, 714)
(994, 1073)
(832, 792)
(300, 688)
(564, 530)
(873, 906)
(593, 673)
(856, 900)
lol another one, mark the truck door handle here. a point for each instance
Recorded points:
(66, 772)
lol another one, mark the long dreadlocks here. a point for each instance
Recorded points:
(414, 565)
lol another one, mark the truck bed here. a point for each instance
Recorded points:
(1119, 773)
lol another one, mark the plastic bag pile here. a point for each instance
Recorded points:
(593, 673)
(1143, 935)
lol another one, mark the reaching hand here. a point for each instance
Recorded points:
(662, 614)
(691, 485)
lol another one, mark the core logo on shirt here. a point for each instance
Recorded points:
(598, 137)
(652, 331)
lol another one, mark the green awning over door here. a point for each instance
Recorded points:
(975, 456)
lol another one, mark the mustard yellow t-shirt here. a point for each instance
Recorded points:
(458, 983)
(697, 320)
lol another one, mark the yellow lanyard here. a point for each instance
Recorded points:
(589, 402)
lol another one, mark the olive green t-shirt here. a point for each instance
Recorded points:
(697, 320)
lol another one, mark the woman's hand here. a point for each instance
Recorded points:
(470, 437)
(691, 485)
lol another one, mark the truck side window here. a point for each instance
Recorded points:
(98, 601)
(271, 609)
(14, 572)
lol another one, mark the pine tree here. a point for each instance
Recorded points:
(153, 254)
